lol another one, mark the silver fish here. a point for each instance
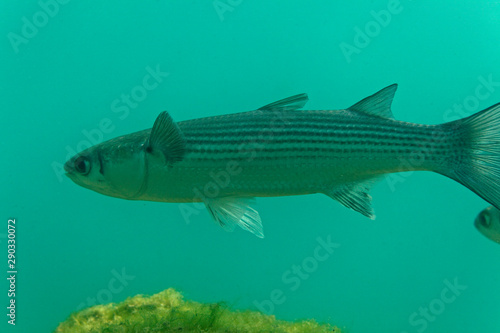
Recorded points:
(278, 150)
(488, 223)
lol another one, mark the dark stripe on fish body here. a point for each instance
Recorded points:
(390, 133)
(356, 124)
(302, 137)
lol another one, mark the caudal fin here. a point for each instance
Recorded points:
(476, 159)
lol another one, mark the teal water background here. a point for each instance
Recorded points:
(67, 77)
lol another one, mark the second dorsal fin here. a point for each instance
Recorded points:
(378, 104)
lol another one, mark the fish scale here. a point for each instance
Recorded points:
(294, 144)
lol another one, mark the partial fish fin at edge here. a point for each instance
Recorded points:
(477, 164)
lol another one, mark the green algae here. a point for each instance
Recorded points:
(167, 311)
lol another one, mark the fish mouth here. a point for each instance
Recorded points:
(68, 168)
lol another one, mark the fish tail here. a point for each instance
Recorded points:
(475, 158)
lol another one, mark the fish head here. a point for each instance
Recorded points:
(114, 168)
(488, 223)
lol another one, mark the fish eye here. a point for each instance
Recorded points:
(485, 220)
(82, 165)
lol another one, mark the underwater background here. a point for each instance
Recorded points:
(421, 266)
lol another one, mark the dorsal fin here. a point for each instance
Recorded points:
(378, 104)
(288, 104)
(166, 137)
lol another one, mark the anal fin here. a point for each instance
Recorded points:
(355, 196)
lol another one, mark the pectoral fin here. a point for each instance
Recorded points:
(229, 212)
(355, 196)
(166, 138)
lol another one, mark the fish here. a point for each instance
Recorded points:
(224, 162)
(488, 223)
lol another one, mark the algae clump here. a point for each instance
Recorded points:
(168, 312)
